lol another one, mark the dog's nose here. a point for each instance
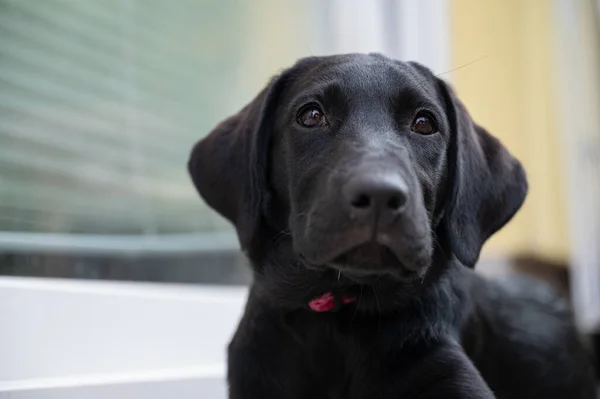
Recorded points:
(383, 194)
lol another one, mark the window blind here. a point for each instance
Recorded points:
(100, 104)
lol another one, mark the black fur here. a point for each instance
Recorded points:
(421, 325)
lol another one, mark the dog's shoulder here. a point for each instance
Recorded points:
(521, 335)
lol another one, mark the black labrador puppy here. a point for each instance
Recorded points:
(362, 193)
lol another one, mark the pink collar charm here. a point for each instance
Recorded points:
(327, 302)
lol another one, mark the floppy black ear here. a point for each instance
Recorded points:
(229, 166)
(486, 184)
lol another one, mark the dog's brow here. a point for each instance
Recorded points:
(316, 91)
(416, 96)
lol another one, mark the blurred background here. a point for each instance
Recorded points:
(101, 102)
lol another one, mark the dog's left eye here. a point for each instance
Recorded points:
(311, 116)
(424, 124)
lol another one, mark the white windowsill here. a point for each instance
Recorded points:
(68, 339)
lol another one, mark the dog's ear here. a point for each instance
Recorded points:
(486, 184)
(229, 166)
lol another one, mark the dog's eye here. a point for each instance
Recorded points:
(311, 116)
(424, 124)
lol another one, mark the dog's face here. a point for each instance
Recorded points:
(359, 159)
(357, 164)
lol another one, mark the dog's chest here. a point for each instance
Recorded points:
(336, 361)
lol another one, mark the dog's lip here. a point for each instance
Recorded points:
(359, 276)
(357, 262)
(365, 276)
(381, 241)
(329, 257)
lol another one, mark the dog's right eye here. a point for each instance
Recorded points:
(311, 116)
(424, 124)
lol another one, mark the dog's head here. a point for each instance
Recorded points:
(356, 166)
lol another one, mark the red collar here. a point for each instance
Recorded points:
(328, 301)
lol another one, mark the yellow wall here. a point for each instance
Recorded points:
(513, 93)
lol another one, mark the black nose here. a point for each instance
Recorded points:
(383, 194)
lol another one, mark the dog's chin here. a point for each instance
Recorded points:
(369, 263)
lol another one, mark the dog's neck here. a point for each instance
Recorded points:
(284, 282)
(420, 309)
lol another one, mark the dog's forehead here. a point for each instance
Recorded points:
(369, 73)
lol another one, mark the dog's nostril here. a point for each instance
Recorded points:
(376, 194)
(396, 202)
(362, 201)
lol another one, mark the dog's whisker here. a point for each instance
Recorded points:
(281, 235)
(464, 65)
(378, 307)
(357, 304)
(438, 245)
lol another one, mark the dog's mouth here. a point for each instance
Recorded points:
(369, 262)
(370, 257)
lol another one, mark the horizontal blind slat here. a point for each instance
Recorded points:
(100, 104)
